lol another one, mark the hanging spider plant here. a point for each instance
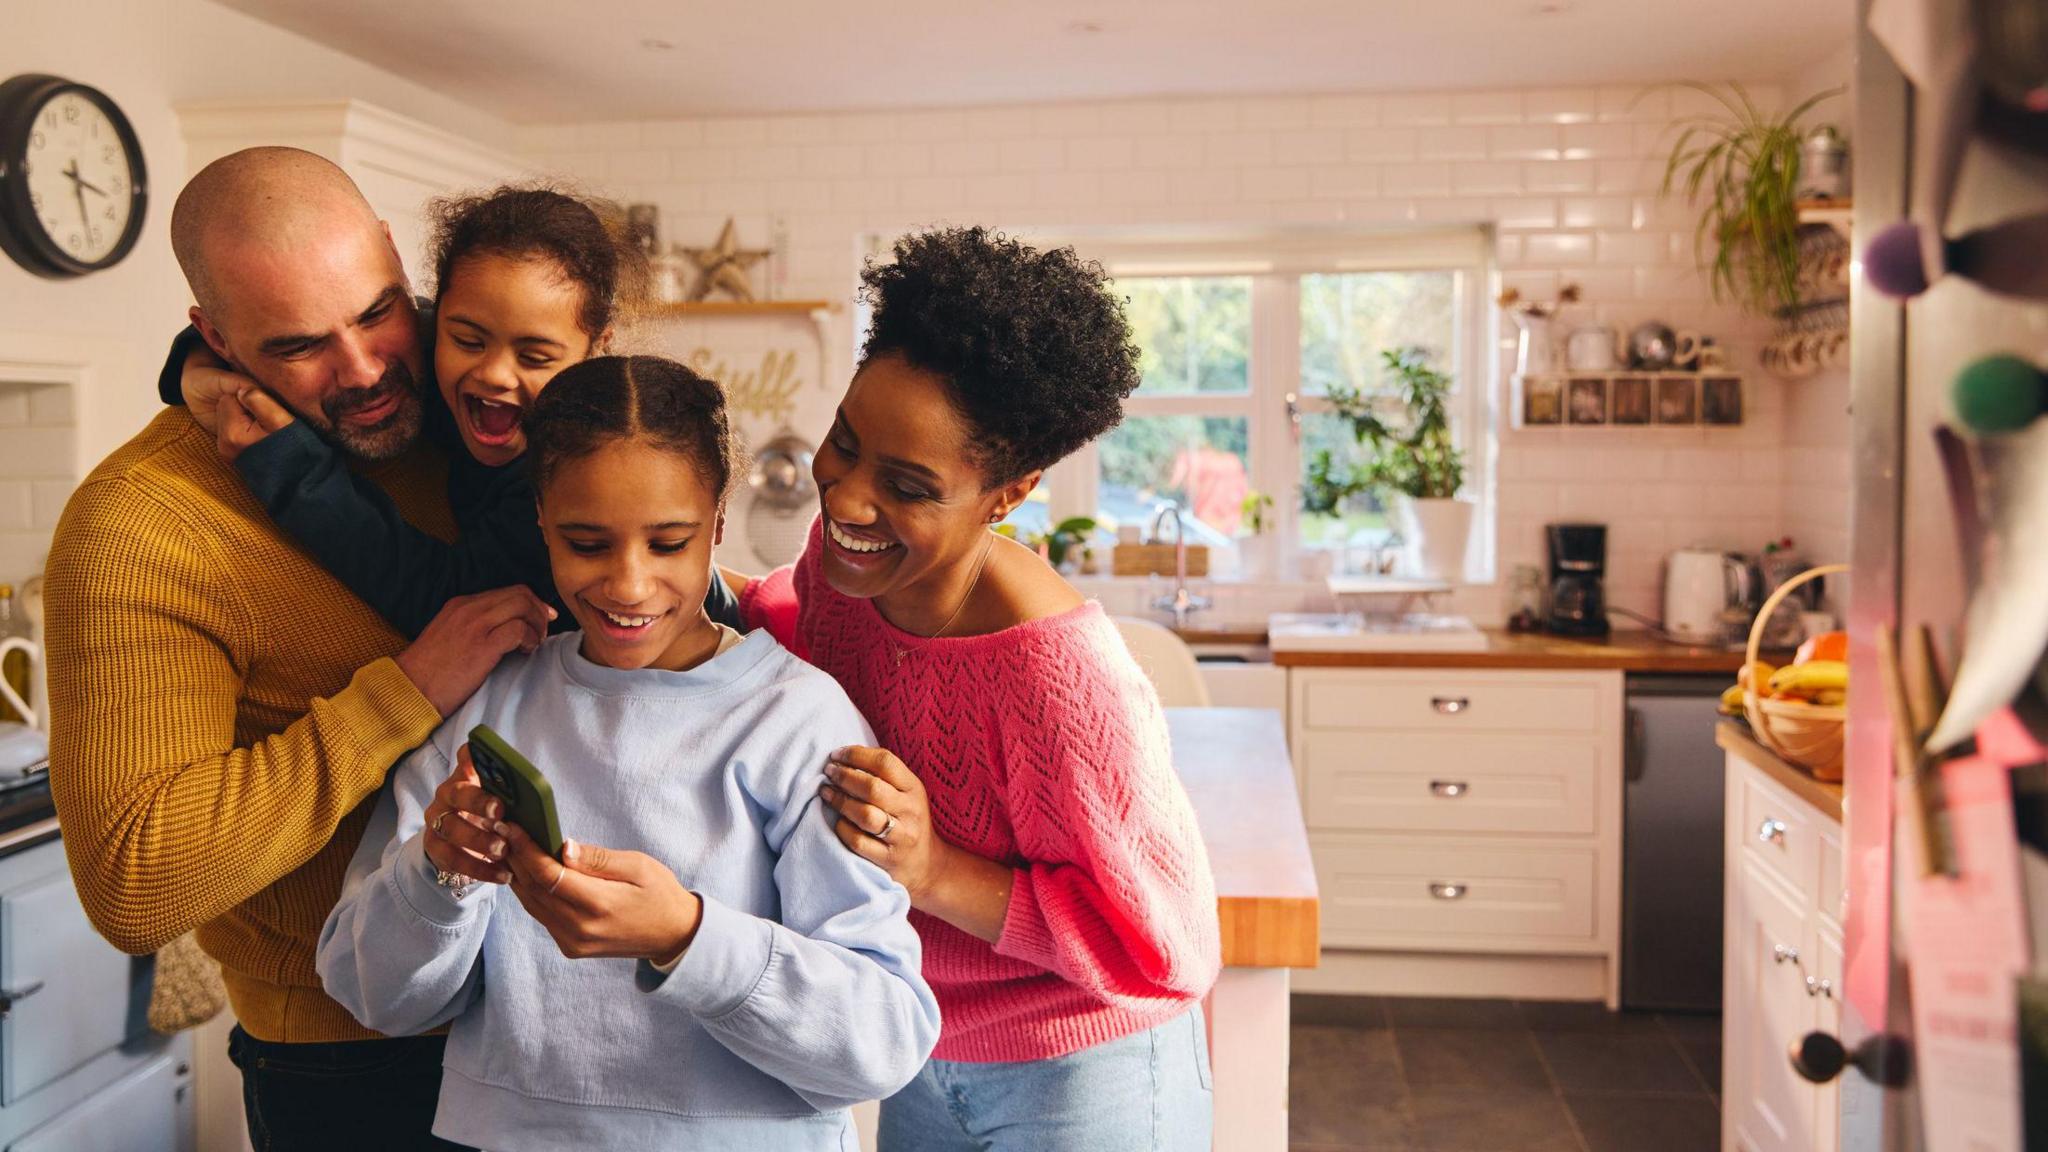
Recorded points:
(1746, 170)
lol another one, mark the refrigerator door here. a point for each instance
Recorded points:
(1906, 568)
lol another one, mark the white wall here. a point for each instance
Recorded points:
(1568, 176)
(152, 56)
(1817, 466)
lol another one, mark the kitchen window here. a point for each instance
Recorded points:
(1242, 339)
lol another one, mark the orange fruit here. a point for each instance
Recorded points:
(1826, 646)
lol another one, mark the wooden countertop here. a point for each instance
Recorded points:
(1622, 651)
(1240, 637)
(1233, 763)
(1738, 739)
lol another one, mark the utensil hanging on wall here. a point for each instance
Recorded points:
(781, 498)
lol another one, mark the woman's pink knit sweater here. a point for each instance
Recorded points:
(1042, 747)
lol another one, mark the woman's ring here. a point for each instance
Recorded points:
(888, 826)
(437, 824)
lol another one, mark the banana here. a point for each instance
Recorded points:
(1731, 701)
(1810, 678)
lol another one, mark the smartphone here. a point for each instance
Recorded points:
(529, 801)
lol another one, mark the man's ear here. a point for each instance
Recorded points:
(210, 334)
(602, 346)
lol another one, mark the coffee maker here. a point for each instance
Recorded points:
(1578, 560)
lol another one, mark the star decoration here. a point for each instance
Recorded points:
(722, 267)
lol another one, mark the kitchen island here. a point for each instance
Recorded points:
(1234, 764)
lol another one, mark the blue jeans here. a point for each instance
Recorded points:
(1148, 1092)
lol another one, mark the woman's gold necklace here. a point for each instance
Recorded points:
(902, 652)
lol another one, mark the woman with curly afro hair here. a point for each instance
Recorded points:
(1023, 793)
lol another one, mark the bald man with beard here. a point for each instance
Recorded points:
(222, 711)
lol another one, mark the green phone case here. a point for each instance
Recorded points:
(529, 801)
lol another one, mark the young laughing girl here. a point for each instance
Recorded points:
(530, 280)
(723, 973)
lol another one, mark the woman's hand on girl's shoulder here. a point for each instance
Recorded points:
(603, 901)
(883, 815)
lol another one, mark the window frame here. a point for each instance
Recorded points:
(1273, 401)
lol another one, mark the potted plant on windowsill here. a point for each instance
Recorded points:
(1414, 458)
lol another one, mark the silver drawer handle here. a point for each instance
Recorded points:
(1451, 789)
(1784, 954)
(1771, 832)
(8, 996)
(1449, 705)
(1820, 987)
(1449, 891)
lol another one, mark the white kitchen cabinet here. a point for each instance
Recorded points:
(1783, 970)
(80, 1067)
(1466, 829)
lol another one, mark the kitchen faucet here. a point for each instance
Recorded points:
(1182, 603)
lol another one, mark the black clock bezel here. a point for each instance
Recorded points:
(21, 233)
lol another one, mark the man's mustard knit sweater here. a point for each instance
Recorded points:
(222, 712)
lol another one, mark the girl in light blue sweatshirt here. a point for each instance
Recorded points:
(705, 966)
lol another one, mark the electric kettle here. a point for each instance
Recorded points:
(1698, 585)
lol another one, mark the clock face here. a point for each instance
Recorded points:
(73, 190)
(79, 179)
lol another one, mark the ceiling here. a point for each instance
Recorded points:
(540, 61)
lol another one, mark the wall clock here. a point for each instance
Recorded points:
(73, 190)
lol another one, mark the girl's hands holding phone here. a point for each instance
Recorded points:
(459, 835)
(602, 901)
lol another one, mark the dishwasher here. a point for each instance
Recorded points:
(1671, 871)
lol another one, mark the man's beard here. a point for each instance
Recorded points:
(387, 438)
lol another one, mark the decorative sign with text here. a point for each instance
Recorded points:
(760, 392)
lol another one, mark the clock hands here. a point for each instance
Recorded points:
(81, 181)
(78, 186)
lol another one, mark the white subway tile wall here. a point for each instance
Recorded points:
(38, 470)
(1568, 177)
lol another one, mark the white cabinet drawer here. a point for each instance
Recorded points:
(1778, 832)
(1444, 782)
(1448, 702)
(1449, 893)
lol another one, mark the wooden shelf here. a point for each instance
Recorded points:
(1836, 214)
(1650, 398)
(742, 308)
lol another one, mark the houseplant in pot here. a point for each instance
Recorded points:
(1411, 456)
(1741, 171)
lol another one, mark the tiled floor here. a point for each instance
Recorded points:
(1395, 1075)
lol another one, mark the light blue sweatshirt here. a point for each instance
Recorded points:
(799, 996)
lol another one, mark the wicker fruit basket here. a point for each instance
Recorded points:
(1809, 735)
